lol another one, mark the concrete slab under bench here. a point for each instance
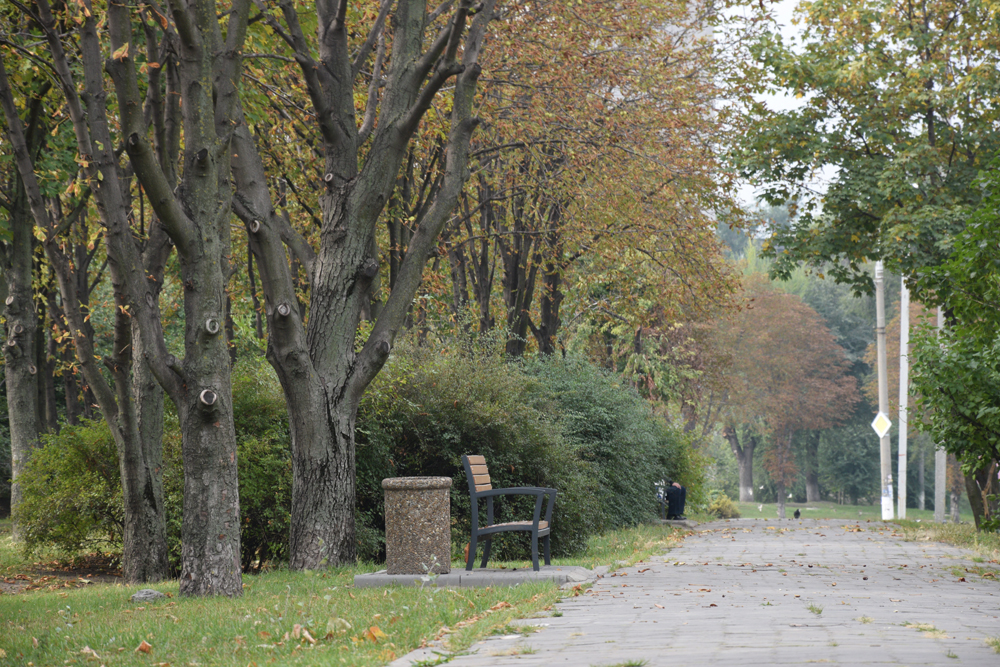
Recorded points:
(482, 577)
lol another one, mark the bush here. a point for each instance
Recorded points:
(628, 448)
(72, 495)
(556, 423)
(72, 485)
(723, 507)
(426, 409)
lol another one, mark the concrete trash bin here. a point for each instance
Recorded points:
(417, 525)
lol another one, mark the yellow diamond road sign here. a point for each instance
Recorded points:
(881, 424)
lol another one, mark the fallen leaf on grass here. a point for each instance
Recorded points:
(335, 626)
(90, 653)
(144, 647)
(296, 631)
(308, 637)
(373, 634)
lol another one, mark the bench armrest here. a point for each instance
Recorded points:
(539, 492)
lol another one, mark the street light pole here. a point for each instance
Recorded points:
(940, 457)
(904, 386)
(885, 451)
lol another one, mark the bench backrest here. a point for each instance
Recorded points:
(477, 473)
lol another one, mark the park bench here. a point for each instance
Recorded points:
(480, 487)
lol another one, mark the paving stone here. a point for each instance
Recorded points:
(741, 591)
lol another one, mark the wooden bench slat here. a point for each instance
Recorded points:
(483, 487)
(477, 460)
(480, 470)
(481, 479)
(542, 525)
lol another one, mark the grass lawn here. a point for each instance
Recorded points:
(831, 510)
(283, 618)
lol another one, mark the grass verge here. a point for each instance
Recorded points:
(831, 510)
(283, 618)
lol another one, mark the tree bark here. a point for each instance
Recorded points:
(20, 370)
(744, 460)
(780, 490)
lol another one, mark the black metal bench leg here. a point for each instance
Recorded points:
(547, 559)
(472, 553)
(486, 552)
(534, 550)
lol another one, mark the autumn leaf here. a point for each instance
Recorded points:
(373, 634)
(144, 647)
(120, 53)
(336, 626)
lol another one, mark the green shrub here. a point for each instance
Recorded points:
(723, 507)
(426, 409)
(72, 496)
(72, 487)
(553, 423)
(628, 448)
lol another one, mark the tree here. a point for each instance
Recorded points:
(322, 374)
(594, 173)
(195, 215)
(19, 347)
(897, 97)
(786, 374)
(957, 374)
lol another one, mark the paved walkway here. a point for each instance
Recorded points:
(754, 592)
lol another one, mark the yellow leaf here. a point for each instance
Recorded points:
(120, 53)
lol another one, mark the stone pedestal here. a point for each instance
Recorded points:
(417, 525)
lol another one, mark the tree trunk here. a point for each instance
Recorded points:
(982, 489)
(744, 459)
(144, 548)
(323, 487)
(780, 490)
(812, 468)
(548, 319)
(19, 348)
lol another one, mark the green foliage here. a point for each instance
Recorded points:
(849, 460)
(895, 98)
(628, 448)
(723, 506)
(72, 497)
(72, 487)
(555, 423)
(425, 410)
